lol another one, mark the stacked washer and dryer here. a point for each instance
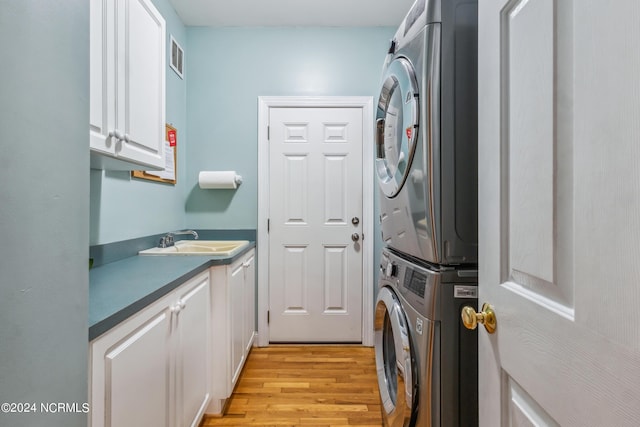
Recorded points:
(426, 163)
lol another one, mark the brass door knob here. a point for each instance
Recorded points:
(486, 317)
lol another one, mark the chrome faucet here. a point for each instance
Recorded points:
(169, 238)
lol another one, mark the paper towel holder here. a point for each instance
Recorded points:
(209, 180)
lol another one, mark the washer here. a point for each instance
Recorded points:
(425, 359)
(426, 136)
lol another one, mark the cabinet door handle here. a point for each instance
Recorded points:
(115, 134)
(175, 309)
(182, 305)
(126, 138)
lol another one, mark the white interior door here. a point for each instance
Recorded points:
(559, 212)
(315, 217)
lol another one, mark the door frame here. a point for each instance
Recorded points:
(365, 103)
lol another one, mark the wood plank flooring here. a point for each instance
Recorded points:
(311, 386)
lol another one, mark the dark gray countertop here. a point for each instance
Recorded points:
(120, 289)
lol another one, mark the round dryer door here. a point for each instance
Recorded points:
(397, 119)
(395, 362)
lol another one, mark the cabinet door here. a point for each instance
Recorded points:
(141, 82)
(249, 300)
(193, 360)
(101, 76)
(236, 314)
(137, 372)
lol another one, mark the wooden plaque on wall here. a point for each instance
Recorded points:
(170, 153)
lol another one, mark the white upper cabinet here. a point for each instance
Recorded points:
(127, 85)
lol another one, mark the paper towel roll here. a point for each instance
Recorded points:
(219, 179)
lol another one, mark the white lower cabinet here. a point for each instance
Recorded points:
(194, 354)
(250, 301)
(233, 320)
(236, 320)
(154, 368)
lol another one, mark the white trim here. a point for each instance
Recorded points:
(366, 104)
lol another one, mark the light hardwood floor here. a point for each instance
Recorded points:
(321, 386)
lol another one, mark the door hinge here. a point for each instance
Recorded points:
(268, 133)
(268, 225)
(268, 316)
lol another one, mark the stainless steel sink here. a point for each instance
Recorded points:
(200, 247)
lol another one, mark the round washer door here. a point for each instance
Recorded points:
(395, 362)
(397, 119)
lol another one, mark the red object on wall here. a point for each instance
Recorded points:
(172, 138)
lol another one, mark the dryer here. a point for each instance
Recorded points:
(426, 136)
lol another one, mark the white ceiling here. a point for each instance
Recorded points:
(299, 13)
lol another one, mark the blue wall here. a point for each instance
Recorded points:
(44, 209)
(124, 208)
(228, 68)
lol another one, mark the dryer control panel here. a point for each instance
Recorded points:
(388, 267)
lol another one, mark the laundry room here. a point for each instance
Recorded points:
(366, 212)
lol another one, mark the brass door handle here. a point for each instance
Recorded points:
(486, 317)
